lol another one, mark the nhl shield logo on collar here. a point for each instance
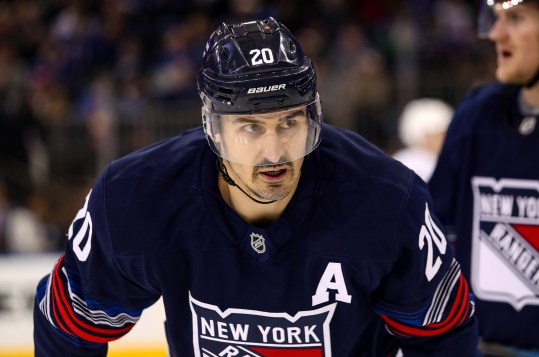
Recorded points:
(258, 243)
(527, 125)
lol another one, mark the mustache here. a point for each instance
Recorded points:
(283, 161)
(265, 164)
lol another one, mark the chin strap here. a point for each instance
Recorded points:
(224, 174)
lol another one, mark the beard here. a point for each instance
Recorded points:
(276, 191)
(271, 191)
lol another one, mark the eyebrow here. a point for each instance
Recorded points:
(252, 120)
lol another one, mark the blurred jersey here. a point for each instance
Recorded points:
(486, 189)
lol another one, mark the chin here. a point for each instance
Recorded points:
(501, 74)
(510, 77)
(504, 78)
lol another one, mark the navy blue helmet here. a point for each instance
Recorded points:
(252, 68)
(255, 66)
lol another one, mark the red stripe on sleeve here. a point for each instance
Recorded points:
(68, 316)
(457, 315)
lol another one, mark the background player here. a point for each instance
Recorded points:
(486, 184)
(288, 237)
(422, 127)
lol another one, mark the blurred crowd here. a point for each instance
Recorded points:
(78, 77)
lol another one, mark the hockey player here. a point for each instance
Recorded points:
(486, 184)
(422, 126)
(282, 237)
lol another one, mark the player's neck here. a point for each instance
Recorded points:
(531, 95)
(251, 212)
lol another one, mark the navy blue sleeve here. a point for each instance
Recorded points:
(88, 299)
(425, 300)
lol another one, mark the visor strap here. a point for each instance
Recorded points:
(224, 173)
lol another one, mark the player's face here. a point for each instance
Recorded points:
(262, 150)
(516, 36)
(263, 139)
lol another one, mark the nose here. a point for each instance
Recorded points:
(273, 148)
(497, 30)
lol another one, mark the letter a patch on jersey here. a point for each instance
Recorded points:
(332, 279)
(505, 249)
(240, 332)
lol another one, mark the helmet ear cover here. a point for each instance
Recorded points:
(210, 126)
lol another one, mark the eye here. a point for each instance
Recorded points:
(514, 17)
(253, 128)
(289, 123)
(293, 120)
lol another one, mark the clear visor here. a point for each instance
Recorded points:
(262, 139)
(487, 14)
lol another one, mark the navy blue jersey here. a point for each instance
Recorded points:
(486, 189)
(355, 266)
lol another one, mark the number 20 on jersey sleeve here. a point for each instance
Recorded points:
(82, 242)
(433, 237)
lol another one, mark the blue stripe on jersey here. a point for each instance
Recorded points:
(70, 314)
(438, 307)
(411, 318)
